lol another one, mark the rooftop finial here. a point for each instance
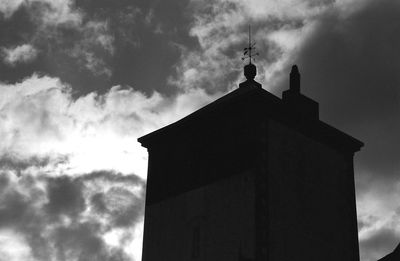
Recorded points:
(295, 79)
(250, 69)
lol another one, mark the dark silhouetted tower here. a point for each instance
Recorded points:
(251, 177)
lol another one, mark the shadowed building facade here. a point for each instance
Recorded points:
(251, 177)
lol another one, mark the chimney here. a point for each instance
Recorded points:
(299, 105)
(295, 79)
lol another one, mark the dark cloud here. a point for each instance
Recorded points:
(51, 217)
(146, 38)
(19, 165)
(109, 43)
(4, 182)
(16, 209)
(119, 204)
(82, 242)
(19, 214)
(112, 176)
(65, 197)
(123, 207)
(98, 202)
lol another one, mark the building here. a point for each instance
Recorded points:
(251, 177)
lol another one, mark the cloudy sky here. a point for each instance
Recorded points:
(81, 80)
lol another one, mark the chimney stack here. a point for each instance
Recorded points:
(295, 79)
(297, 103)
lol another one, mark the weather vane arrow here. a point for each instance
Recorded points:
(248, 52)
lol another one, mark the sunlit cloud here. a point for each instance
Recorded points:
(53, 12)
(13, 246)
(20, 54)
(93, 132)
(8, 7)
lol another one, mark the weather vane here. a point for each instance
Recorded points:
(248, 52)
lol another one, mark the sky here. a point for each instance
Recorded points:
(81, 80)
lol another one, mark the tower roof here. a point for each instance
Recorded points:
(294, 110)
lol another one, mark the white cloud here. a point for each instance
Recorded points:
(20, 54)
(284, 9)
(95, 132)
(60, 12)
(13, 247)
(378, 212)
(8, 7)
(53, 12)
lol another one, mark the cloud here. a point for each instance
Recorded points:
(96, 42)
(221, 26)
(8, 7)
(14, 247)
(42, 122)
(57, 12)
(52, 218)
(64, 40)
(118, 204)
(378, 218)
(64, 197)
(92, 41)
(9, 162)
(53, 12)
(94, 45)
(20, 54)
(379, 245)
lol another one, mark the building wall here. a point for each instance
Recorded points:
(214, 222)
(261, 191)
(311, 199)
(202, 154)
